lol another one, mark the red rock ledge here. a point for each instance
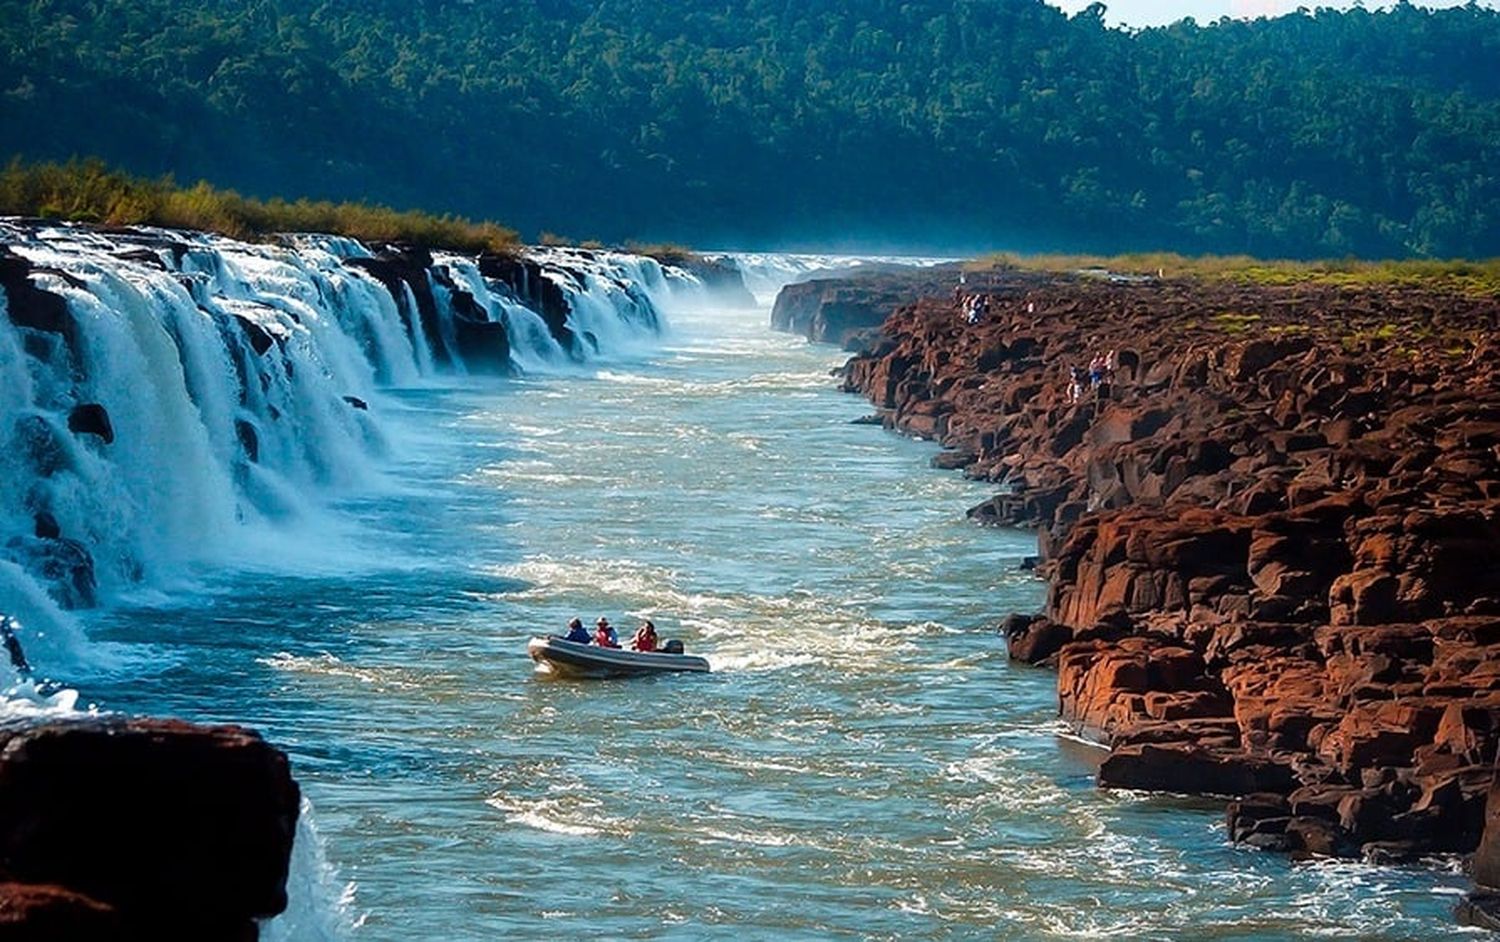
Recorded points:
(1272, 538)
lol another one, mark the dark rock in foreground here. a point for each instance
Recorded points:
(124, 829)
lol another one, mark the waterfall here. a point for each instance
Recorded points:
(168, 398)
(165, 394)
(319, 906)
(765, 274)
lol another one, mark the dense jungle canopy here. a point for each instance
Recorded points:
(952, 124)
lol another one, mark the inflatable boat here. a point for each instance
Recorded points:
(572, 659)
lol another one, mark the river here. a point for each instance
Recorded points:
(863, 762)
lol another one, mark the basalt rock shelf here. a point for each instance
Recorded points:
(114, 829)
(1271, 535)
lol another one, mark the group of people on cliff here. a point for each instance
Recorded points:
(975, 307)
(1100, 371)
(605, 636)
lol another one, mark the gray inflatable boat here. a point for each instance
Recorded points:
(572, 659)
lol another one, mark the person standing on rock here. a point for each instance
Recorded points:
(1075, 386)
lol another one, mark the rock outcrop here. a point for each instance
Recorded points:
(1482, 906)
(133, 829)
(843, 310)
(1271, 533)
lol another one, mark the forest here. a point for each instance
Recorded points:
(952, 125)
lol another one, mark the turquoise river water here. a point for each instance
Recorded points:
(863, 763)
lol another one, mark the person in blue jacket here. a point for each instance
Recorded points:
(576, 632)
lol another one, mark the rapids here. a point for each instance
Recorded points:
(863, 763)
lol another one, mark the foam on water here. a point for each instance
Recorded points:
(226, 458)
(863, 762)
(320, 907)
(765, 274)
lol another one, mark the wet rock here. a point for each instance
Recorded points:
(191, 837)
(357, 403)
(1481, 910)
(485, 346)
(405, 268)
(63, 565)
(1190, 769)
(952, 458)
(249, 439)
(1034, 639)
(46, 526)
(826, 311)
(31, 307)
(1318, 837)
(720, 276)
(260, 340)
(525, 280)
(48, 913)
(1486, 867)
(90, 418)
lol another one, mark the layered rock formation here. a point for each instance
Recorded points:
(1272, 534)
(1482, 907)
(846, 310)
(114, 829)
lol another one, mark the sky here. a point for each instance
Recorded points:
(1161, 12)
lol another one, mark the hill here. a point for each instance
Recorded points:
(927, 123)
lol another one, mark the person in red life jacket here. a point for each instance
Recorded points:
(645, 638)
(604, 635)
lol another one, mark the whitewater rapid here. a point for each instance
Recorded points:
(241, 387)
(864, 762)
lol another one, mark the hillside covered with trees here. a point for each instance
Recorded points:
(921, 123)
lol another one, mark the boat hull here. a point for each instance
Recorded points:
(571, 659)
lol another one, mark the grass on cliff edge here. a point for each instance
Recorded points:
(668, 253)
(88, 191)
(1467, 277)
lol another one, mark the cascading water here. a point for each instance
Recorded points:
(230, 381)
(765, 274)
(168, 398)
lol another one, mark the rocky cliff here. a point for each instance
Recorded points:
(845, 309)
(1271, 534)
(114, 829)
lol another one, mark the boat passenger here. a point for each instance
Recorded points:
(577, 633)
(645, 637)
(604, 635)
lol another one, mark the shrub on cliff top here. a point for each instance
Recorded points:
(667, 253)
(88, 191)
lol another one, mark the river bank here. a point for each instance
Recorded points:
(1270, 538)
(862, 747)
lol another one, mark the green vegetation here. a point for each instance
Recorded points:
(668, 253)
(87, 191)
(1467, 277)
(923, 123)
(1234, 323)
